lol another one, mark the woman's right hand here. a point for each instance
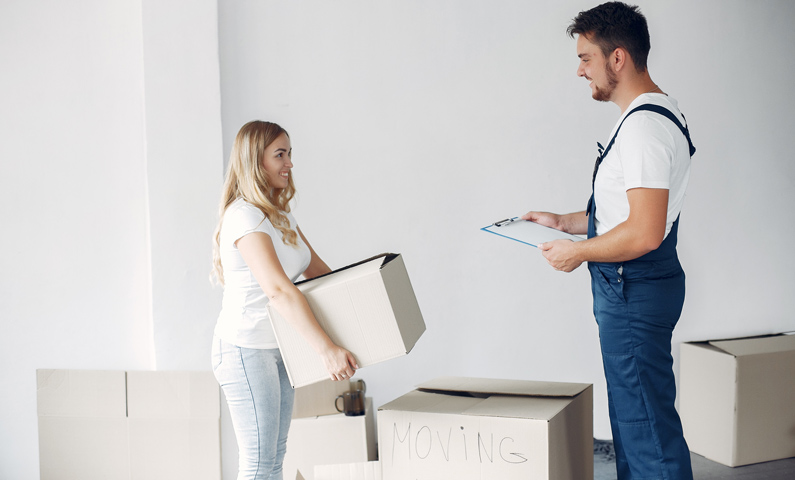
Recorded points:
(340, 363)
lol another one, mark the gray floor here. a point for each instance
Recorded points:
(703, 469)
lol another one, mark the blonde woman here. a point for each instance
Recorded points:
(258, 252)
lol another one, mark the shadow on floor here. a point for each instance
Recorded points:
(604, 459)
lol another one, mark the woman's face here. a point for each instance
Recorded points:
(277, 161)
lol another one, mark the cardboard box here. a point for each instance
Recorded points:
(174, 425)
(737, 398)
(329, 440)
(349, 471)
(368, 308)
(128, 425)
(318, 398)
(82, 425)
(486, 429)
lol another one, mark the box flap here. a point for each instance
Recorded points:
(503, 387)
(755, 345)
(429, 402)
(370, 265)
(515, 406)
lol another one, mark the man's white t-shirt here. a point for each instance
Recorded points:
(649, 152)
(244, 319)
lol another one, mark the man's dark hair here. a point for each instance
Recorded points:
(612, 25)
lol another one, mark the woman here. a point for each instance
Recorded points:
(258, 252)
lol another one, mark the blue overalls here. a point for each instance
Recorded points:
(637, 305)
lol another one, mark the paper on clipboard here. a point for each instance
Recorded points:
(529, 233)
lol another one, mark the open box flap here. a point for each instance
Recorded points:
(493, 386)
(756, 345)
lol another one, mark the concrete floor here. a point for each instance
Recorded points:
(703, 469)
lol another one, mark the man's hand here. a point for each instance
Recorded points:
(561, 254)
(546, 219)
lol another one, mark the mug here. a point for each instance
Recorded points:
(352, 403)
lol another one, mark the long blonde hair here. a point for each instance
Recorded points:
(246, 179)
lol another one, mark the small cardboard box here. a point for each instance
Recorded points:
(487, 429)
(368, 308)
(128, 425)
(349, 471)
(318, 398)
(328, 440)
(737, 398)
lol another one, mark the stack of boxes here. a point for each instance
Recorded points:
(166, 425)
(109, 425)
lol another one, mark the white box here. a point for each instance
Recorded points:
(486, 429)
(82, 425)
(330, 439)
(128, 425)
(737, 398)
(349, 471)
(174, 424)
(368, 308)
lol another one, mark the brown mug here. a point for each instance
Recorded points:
(352, 403)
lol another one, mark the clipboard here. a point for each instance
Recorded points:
(527, 232)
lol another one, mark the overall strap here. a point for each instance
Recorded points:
(603, 151)
(656, 109)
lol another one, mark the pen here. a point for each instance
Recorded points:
(506, 221)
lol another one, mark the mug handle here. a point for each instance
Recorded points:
(337, 406)
(363, 384)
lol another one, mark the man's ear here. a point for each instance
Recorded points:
(619, 59)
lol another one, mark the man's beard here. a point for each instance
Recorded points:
(604, 94)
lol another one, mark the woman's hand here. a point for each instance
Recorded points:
(339, 362)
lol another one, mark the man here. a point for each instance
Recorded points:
(632, 224)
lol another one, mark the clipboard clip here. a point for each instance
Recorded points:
(506, 221)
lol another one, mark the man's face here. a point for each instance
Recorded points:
(595, 68)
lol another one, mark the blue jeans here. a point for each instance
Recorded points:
(260, 401)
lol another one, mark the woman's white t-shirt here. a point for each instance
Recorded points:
(244, 319)
(649, 152)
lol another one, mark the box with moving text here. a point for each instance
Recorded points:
(488, 429)
(736, 398)
(368, 308)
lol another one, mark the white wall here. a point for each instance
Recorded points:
(416, 123)
(110, 165)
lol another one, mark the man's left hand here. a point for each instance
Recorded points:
(560, 254)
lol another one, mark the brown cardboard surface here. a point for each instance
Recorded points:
(429, 435)
(369, 309)
(318, 398)
(756, 345)
(736, 399)
(707, 401)
(328, 440)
